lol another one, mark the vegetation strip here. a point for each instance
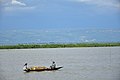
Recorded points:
(27, 46)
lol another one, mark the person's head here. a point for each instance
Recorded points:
(53, 62)
(25, 64)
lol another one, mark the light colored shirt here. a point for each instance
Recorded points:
(25, 67)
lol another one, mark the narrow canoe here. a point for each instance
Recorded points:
(41, 69)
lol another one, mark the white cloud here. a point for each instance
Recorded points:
(88, 40)
(15, 2)
(92, 40)
(84, 39)
(15, 5)
(102, 3)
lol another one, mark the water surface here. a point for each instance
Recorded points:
(102, 63)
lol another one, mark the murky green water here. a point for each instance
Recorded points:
(79, 63)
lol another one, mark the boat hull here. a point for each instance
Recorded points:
(44, 69)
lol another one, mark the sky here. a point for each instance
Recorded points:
(40, 14)
(60, 21)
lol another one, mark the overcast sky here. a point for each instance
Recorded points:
(38, 14)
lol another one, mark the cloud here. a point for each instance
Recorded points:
(101, 3)
(15, 2)
(92, 40)
(85, 39)
(88, 40)
(15, 5)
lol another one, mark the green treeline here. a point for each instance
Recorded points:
(27, 46)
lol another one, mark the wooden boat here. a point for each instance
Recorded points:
(39, 68)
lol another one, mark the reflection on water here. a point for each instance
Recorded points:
(79, 63)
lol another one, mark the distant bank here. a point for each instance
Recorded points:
(28, 46)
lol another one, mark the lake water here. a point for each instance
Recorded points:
(101, 63)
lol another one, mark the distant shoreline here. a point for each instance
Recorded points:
(70, 45)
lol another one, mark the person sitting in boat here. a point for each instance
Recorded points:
(25, 67)
(53, 66)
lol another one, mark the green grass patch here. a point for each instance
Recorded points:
(28, 46)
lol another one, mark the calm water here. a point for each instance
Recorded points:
(79, 63)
